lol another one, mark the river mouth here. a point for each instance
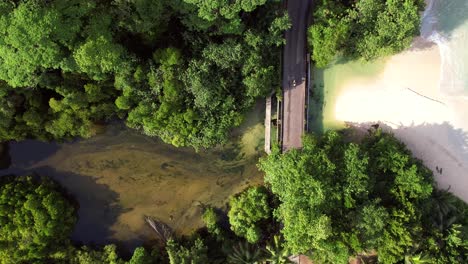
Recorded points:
(121, 176)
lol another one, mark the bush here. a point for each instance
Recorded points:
(211, 220)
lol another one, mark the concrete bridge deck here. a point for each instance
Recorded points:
(294, 75)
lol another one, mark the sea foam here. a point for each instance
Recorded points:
(445, 22)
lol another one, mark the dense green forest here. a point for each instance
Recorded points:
(186, 71)
(332, 200)
(364, 29)
(182, 70)
(370, 197)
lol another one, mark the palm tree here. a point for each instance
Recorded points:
(276, 253)
(244, 253)
(443, 209)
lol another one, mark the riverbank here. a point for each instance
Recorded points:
(402, 94)
(121, 176)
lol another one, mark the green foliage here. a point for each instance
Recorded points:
(211, 220)
(68, 65)
(245, 253)
(219, 13)
(447, 219)
(276, 253)
(32, 43)
(329, 33)
(195, 254)
(339, 198)
(146, 17)
(141, 256)
(301, 195)
(98, 57)
(247, 211)
(35, 220)
(367, 29)
(456, 245)
(107, 255)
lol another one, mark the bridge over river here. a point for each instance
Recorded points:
(295, 80)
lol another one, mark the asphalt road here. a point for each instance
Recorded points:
(294, 72)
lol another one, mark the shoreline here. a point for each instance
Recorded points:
(405, 98)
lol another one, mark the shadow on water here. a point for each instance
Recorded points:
(121, 176)
(28, 152)
(317, 102)
(99, 206)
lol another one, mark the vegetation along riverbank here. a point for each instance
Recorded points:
(189, 73)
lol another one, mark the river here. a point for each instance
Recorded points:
(120, 176)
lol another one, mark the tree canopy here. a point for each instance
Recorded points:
(247, 211)
(185, 71)
(341, 195)
(35, 220)
(363, 29)
(339, 198)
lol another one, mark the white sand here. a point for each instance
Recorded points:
(434, 126)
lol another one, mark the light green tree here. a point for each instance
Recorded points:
(247, 211)
(195, 254)
(35, 220)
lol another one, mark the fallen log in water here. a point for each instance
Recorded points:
(163, 231)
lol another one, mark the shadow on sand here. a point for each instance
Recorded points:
(443, 149)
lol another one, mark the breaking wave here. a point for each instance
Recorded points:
(445, 22)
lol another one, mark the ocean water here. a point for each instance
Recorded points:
(445, 22)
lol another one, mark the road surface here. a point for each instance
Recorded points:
(294, 72)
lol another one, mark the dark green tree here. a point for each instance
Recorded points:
(363, 29)
(32, 43)
(70, 65)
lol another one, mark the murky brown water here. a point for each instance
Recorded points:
(121, 176)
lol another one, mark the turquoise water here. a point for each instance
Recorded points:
(445, 22)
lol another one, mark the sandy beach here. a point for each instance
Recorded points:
(405, 98)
